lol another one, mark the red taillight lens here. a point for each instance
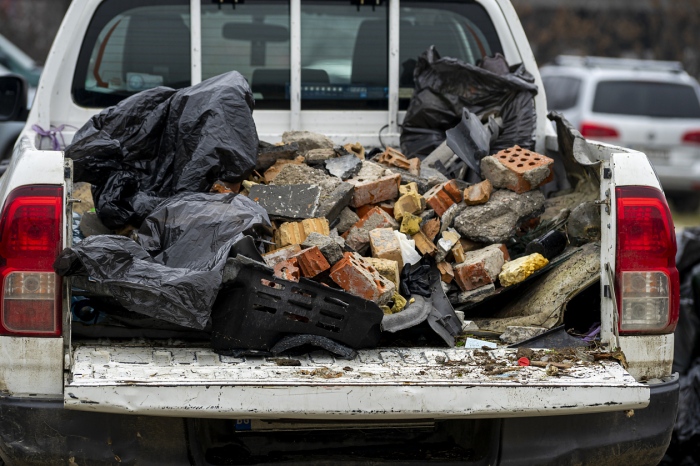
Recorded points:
(692, 137)
(646, 277)
(30, 240)
(595, 130)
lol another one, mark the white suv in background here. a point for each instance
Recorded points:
(650, 106)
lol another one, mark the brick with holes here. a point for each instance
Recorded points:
(359, 277)
(443, 196)
(517, 169)
(311, 262)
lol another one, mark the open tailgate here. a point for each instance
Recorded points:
(382, 384)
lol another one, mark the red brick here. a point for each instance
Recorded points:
(470, 276)
(443, 196)
(431, 228)
(424, 245)
(311, 262)
(394, 158)
(375, 191)
(287, 270)
(279, 255)
(479, 193)
(447, 274)
(521, 161)
(357, 276)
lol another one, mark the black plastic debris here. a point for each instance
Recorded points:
(446, 86)
(299, 342)
(469, 140)
(550, 245)
(255, 310)
(174, 271)
(415, 279)
(161, 142)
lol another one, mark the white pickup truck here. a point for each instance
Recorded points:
(341, 68)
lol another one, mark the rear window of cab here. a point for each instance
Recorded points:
(133, 45)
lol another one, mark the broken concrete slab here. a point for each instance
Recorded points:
(497, 220)
(291, 202)
(335, 194)
(474, 296)
(344, 167)
(319, 156)
(268, 154)
(307, 140)
(346, 220)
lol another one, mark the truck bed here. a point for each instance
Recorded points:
(386, 384)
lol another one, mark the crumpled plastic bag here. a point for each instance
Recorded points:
(175, 269)
(445, 86)
(161, 142)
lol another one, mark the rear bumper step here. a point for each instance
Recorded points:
(378, 384)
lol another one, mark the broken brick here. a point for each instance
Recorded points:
(478, 193)
(388, 207)
(281, 255)
(375, 191)
(394, 158)
(517, 169)
(443, 196)
(357, 276)
(411, 203)
(431, 228)
(458, 253)
(446, 243)
(424, 245)
(387, 268)
(411, 187)
(410, 224)
(311, 262)
(224, 187)
(287, 270)
(355, 148)
(357, 237)
(296, 232)
(447, 274)
(272, 172)
(385, 245)
(480, 267)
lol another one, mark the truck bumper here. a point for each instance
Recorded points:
(42, 432)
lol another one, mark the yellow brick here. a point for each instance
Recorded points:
(387, 268)
(410, 224)
(458, 253)
(519, 269)
(385, 245)
(424, 245)
(296, 232)
(409, 203)
(411, 187)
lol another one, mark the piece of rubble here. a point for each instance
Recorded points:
(374, 184)
(411, 187)
(424, 245)
(517, 169)
(519, 269)
(272, 172)
(385, 245)
(497, 220)
(296, 232)
(480, 267)
(474, 296)
(357, 237)
(447, 274)
(446, 243)
(319, 156)
(411, 203)
(91, 225)
(269, 155)
(224, 187)
(394, 158)
(287, 270)
(448, 218)
(458, 253)
(584, 224)
(83, 192)
(330, 249)
(355, 148)
(431, 228)
(344, 167)
(335, 194)
(311, 262)
(280, 255)
(428, 214)
(478, 193)
(347, 219)
(388, 269)
(410, 224)
(399, 303)
(516, 334)
(292, 202)
(307, 140)
(443, 196)
(468, 245)
(357, 276)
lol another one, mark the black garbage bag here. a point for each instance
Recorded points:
(162, 142)
(444, 87)
(175, 270)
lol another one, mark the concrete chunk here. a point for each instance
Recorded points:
(344, 167)
(330, 249)
(292, 202)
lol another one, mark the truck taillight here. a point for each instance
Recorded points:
(30, 240)
(647, 282)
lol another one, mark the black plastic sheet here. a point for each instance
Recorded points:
(174, 271)
(162, 142)
(446, 86)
